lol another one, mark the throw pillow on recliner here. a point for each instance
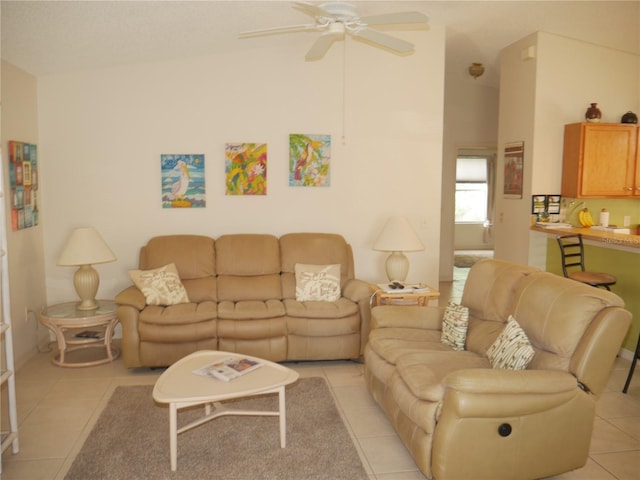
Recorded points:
(160, 286)
(454, 326)
(317, 282)
(512, 349)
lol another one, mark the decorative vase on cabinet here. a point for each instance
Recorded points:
(593, 113)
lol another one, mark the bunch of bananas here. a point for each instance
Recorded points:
(585, 218)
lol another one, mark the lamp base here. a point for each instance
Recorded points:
(397, 267)
(86, 282)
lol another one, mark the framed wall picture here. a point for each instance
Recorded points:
(309, 160)
(245, 168)
(183, 181)
(23, 182)
(513, 169)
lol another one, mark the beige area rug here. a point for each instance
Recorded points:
(467, 260)
(130, 440)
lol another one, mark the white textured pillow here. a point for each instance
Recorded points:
(454, 326)
(317, 282)
(512, 349)
(160, 286)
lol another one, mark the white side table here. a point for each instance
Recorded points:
(66, 322)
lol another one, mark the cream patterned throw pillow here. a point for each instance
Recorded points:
(454, 326)
(317, 282)
(161, 286)
(512, 350)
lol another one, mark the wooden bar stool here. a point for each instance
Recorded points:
(635, 358)
(572, 251)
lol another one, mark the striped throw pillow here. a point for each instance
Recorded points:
(512, 349)
(454, 326)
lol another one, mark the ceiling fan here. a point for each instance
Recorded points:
(334, 20)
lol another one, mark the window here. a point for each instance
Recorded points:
(472, 190)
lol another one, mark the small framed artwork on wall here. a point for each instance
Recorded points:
(23, 181)
(183, 181)
(245, 168)
(309, 160)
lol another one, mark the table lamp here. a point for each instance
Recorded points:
(84, 248)
(396, 237)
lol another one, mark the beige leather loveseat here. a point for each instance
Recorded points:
(242, 297)
(462, 419)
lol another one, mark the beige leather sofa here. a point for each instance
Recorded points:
(461, 419)
(242, 292)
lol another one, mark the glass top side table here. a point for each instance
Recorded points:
(79, 329)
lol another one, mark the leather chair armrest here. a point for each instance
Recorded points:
(400, 316)
(131, 296)
(484, 392)
(356, 290)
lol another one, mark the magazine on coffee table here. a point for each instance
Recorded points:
(228, 368)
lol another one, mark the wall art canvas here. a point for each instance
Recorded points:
(183, 182)
(245, 168)
(309, 160)
(23, 182)
(513, 169)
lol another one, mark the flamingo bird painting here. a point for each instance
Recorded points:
(179, 188)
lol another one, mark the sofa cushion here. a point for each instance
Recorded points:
(570, 308)
(423, 372)
(257, 287)
(160, 286)
(250, 309)
(193, 255)
(339, 309)
(247, 255)
(317, 282)
(512, 349)
(182, 314)
(393, 343)
(454, 326)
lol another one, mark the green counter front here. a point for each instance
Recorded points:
(618, 255)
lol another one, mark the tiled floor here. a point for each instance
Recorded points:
(57, 408)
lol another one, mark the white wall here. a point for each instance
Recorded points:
(538, 96)
(102, 133)
(26, 259)
(470, 121)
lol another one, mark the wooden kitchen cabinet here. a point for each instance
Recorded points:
(600, 160)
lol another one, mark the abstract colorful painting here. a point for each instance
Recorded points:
(23, 180)
(183, 184)
(309, 160)
(245, 168)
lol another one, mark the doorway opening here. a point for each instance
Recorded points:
(474, 205)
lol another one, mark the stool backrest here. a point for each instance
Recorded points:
(572, 252)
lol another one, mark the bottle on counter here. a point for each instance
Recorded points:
(604, 218)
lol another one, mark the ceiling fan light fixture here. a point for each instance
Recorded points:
(476, 70)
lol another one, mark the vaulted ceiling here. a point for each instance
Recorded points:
(46, 37)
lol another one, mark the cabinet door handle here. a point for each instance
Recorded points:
(629, 189)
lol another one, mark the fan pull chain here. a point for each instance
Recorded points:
(344, 92)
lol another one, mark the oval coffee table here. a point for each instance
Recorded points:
(180, 388)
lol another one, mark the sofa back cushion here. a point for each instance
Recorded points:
(248, 267)
(193, 256)
(488, 294)
(313, 249)
(555, 312)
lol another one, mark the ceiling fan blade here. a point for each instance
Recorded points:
(395, 18)
(275, 30)
(384, 40)
(311, 9)
(321, 46)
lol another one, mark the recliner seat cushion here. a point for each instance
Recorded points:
(250, 309)
(315, 309)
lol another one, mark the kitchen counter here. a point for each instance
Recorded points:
(603, 239)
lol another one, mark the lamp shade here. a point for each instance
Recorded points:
(85, 247)
(398, 235)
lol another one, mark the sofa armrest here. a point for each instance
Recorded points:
(400, 316)
(358, 291)
(131, 296)
(485, 392)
